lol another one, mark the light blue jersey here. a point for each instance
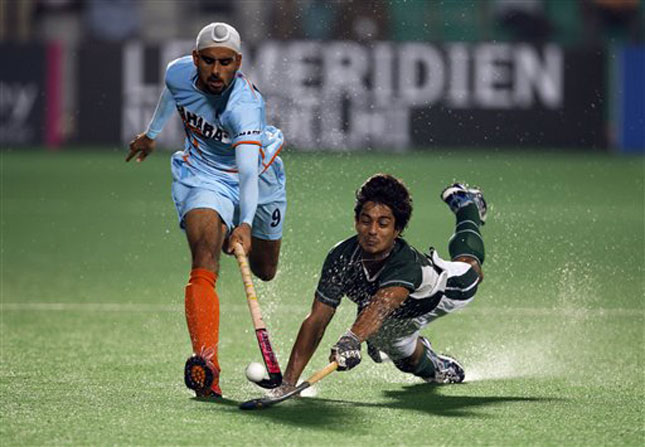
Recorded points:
(215, 124)
(205, 174)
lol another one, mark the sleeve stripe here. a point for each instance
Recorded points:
(398, 281)
(266, 165)
(249, 84)
(326, 300)
(246, 142)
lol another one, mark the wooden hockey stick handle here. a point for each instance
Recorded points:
(318, 375)
(251, 297)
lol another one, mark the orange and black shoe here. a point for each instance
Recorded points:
(201, 378)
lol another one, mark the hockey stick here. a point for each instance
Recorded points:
(268, 401)
(273, 368)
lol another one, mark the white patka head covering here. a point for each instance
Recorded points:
(219, 34)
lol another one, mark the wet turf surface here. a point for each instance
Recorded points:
(94, 338)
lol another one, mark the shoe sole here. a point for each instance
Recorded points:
(198, 376)
(449, 191)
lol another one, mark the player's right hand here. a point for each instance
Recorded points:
(240, 235)
(140, 147)
(346, 352)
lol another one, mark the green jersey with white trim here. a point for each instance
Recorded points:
(344, 274)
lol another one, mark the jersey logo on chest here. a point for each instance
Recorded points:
(202, 127)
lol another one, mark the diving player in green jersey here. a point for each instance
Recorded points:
(398, 290)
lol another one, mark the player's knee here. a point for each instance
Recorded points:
(203, 257)
(263, 259)
(265, 272)
(474, 263)
(467, 244)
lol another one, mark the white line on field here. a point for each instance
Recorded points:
(239, 307)
(100, 307)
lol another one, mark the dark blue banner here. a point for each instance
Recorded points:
(632, 100)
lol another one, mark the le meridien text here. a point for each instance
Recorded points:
(348, 95)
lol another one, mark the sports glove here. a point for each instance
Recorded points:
(346, 352)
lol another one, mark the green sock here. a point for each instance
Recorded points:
(467, 240)
(425, 368)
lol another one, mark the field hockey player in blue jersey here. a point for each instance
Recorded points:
(228, 182)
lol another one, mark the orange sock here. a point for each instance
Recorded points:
(202, 317)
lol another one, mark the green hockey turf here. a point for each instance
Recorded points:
(93, 336)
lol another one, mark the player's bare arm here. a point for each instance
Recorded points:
(311, 332)
(140, 147)
(370, 320)
(143, 144)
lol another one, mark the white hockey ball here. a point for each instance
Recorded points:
(255, 372)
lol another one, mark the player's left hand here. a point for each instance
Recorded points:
(346, 352)
(240, 235)
(140, 147)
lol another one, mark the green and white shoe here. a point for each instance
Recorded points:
(446, 369)
(459, 195)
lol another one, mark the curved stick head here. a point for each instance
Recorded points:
(274, 381)
(254, 404)
(264, 402)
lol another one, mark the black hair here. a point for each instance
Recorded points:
(386, 190)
